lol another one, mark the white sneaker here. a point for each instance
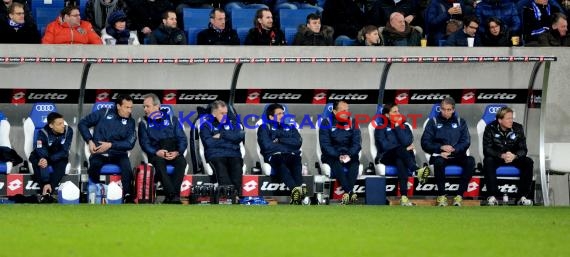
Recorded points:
(492, 201)
(525, 202)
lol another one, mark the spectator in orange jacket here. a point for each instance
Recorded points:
(70, 29)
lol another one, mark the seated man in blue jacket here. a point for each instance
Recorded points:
(162, 138)
(446, 138)
(504, 143)
(395, 143)
(340, 141)
(221, 135)
(51, 148)
(280, 144)
(113, 136)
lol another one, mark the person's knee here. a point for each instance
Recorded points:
(438, 162)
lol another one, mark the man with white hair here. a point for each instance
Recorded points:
(558, 34)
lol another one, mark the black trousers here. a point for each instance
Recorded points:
(228, 170)
(405, 161)
(97, 161)
(43, 177)
(288, 169)
(439, 164)
(171, 183)
(346, 179)
(525, 166)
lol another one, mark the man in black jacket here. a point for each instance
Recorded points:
(217, 32)
(504, 143)
(168, 33)
(263, 32)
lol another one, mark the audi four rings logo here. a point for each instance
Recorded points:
(45, 108)
(101, 106)
(494, 109)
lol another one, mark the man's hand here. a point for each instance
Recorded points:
(509, 157)
(43, 163)
(104, 146)
(146, 30)
(161, 153)
(447, 148)
(410, 147)
(409, 19)
(92, 147)
(171, 155)
(445, 155)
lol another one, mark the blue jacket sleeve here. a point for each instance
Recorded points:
(206, 135)
(265, 140)
(436, 18)
(293, 138)
(144, 140)
(379, 140)
(428, 144)
(464, 140)
(356, 142)
(235, 135)
(179, 131)
(127, 143)
(87, 122)
(42, 152)
(64, 153)
(325, 140)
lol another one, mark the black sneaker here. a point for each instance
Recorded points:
(46, 198)
(128, 198)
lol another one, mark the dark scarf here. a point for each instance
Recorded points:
(98, 6)
(14, 25)
(397, 34)
(122, 37)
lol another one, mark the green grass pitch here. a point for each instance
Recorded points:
(167, 231)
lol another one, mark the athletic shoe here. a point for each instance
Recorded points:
(46, 198)
(441, 200)
(492, 201)
(423, 174)
(303, 191)
(353, 197)
(525, 202)
(404, 201)
(296, 196)
(345, 199)
(457, 200)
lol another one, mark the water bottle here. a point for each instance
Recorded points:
(305, 169)
(91, 190)
(505, 199)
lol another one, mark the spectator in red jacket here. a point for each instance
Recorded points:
(70, 29)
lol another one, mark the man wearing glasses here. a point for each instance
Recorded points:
(446, 138)
(468, 35)
(68, 28)
(16, 30)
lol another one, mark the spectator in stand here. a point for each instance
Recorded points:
(470, 27)
(557, 35)
(297, 4)
(496, 34)
(345, 17)
(5, 10)
(68, 28)
(370, 36)
(16, 30)
(537, 19)
(505, 10)
(146, 15)
(382, 9)
(217, 33)
(313, 33)
(168, 33)
(116, 33)
(399, 33)
(263, 31)
(97, 12)
(443, 17)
